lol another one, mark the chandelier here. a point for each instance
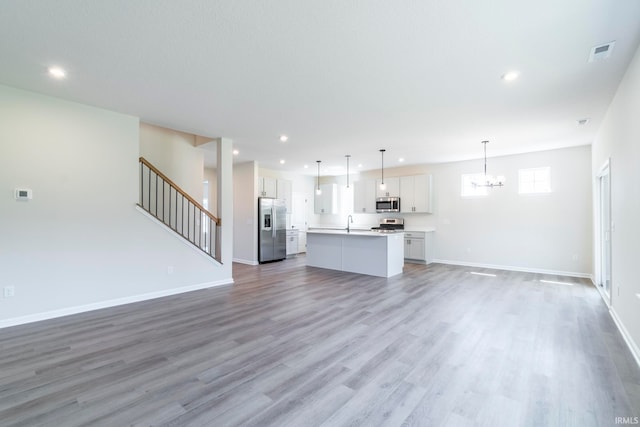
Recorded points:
(488, 180)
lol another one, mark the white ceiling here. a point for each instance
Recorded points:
(420, 78)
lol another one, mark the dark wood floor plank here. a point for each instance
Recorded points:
(294, 345)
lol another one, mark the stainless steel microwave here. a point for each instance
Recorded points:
(387, 204)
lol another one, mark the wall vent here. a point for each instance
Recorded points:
(598, 53)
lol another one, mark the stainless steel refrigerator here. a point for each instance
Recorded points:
(272, 233)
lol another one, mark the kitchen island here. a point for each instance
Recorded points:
(364, 252)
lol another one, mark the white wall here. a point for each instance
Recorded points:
(619, 139)
(211, 175)
(245, 208)
(551, 231)
(175, 155)
(540, 232)
(80, 243)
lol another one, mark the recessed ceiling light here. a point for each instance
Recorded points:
(282, 161)
(306, 166)
(359, 165)
(284, 138)
(57, 72)
(236, 152)
(401, 159)
(510, 76)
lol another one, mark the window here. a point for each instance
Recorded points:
(534, 180)
(470, 190)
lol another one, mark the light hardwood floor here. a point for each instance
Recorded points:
(290, 345)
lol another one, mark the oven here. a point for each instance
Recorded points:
(389, 225)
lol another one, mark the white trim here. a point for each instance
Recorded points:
(109, 303)
(184, 241)
(245, 261)
(635, 351)
(606, 298)
(513, 268)
(605, 169)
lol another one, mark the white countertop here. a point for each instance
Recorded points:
(409, 228)
(339, 227)
(422, 229)
(361, 232)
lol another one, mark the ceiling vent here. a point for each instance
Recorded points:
(598, 53)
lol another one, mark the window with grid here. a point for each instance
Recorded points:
(534, 180)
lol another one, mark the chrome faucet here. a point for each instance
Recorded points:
(349, 220)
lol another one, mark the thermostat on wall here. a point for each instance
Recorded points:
(24, 194)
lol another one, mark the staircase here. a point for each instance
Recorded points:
(173, 207)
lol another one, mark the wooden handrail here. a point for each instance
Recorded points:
(179, 190)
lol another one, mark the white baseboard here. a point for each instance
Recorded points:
(513, 268)
(106, 304)
(245, 261)
(635, 350)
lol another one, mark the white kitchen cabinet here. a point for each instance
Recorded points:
(292, 241)
(414, 246)
(392, 188)
(418, 247)
(375, 254)
(276, 188)
(327, 201)
(416, 194)
(267, 187)
(364, 196)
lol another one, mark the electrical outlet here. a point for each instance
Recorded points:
(170, 269)
(9, 291)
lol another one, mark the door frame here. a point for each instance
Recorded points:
(604, 171)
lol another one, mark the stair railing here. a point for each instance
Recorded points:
(172, 206)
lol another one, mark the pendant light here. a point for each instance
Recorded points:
(383, 186)
(347, 156)
(318, 190)
(488, 180)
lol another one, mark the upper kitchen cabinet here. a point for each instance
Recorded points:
(364, 196)
(416, 194)
(267, 187)
(276, 188)
(392, 188)
(327, 201)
